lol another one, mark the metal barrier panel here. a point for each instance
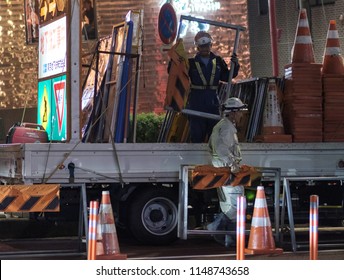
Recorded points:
(287, 201)
(183, 202)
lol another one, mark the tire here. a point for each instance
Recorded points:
(153, 216)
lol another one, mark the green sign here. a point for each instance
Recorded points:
(52, 107)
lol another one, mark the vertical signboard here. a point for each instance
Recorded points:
(52, 78)
(52, 54)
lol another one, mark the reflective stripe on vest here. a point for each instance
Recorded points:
(212, 77)
(203, 87)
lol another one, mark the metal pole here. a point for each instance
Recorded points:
(231, 71)
(75, 70)
(313, 227)
(273, 38)
(215, 23)
(201, 114)
(241, 226)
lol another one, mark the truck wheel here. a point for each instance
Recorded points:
(153, 216)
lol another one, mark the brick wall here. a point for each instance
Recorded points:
(18, 61)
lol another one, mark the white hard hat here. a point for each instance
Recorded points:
(233, 104)
(203, 38)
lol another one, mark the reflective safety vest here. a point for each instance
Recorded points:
(204, 81)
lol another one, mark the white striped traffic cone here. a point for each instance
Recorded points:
(303, 45)
(272, 118)
(261, 240)
(333, 61)
(108, 233)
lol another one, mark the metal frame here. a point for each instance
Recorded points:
(183, 231)
(286, 200)
(83, 215)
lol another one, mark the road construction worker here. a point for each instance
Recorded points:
(225, 152)
(206, 71)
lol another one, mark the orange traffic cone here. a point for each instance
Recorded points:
(261, 240)
(272, 119)
(107, 241)
(303, 46)
(273, 129)
(332, 61)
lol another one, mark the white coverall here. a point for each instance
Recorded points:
(225, 149)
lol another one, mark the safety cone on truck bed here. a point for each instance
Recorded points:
(261, 240)
(107, 241)
(332, 61)
(303, 46)
(273, 129)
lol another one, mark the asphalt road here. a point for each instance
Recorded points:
(51, 241)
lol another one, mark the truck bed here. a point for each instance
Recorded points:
(154, 162)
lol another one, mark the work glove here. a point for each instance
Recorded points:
(235, 168)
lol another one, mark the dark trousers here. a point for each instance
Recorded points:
(200, 129)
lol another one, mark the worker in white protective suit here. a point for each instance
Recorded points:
(225, 151)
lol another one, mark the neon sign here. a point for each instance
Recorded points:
(196, 6)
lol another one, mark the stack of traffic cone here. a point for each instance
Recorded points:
(302, 100)
(261, 240)
(107, 241)
(273, 129)
(333, 81)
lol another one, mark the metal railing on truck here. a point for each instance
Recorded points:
(183, 230)
(288, 203)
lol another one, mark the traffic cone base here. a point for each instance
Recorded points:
(274, 138)
(112, 257)
(275, 251)
(273, 130)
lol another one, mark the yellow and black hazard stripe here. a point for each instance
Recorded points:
(32, 198)
(207, 177)
(178, 83)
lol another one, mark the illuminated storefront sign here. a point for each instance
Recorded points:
(196, 8)
(52, 107)
(52, 49)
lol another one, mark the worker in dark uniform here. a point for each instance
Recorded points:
(205, 72)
